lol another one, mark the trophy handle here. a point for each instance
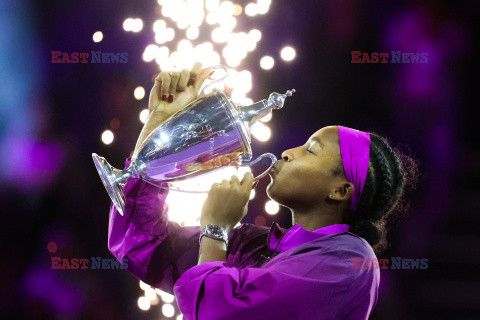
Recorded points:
(270, 156)
(211, 84)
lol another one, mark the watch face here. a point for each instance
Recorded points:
(215, 231)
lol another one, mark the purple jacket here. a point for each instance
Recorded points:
(270, 273)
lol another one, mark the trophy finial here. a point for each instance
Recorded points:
(256, 111)
(276, 100)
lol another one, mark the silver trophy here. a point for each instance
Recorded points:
(208, 134)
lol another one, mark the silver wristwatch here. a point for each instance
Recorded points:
(214, 231)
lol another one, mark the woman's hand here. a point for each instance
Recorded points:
(171, 92)
(177, 89)
(227, 202)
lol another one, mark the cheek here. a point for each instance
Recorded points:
(298, 185)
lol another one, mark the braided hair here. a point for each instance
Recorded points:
(389, 173)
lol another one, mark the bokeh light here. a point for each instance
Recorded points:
(143, 116)
(238, 10)
(260, 220)
(288, 53)
(155, 301)
(267, 62)
(192, 33)
(165, 296)
(168, 310)
(261, 131)
(267, 118)
(133, 24)
(143, 303)
(143, 285)
(251, 10)
(272, 207)
(107, 137)
(52, 247)
(139, 93)
(115, 123)
(263, 6)
(150, 293)
(97, 36)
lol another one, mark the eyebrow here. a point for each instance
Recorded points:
(315, 139)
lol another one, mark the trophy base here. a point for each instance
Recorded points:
(109, 179)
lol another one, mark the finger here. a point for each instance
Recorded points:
(214, 187)
(184, 77)
(154, 98)
(225, 182)
(159, 81)
(196, 69)
(202, 77)
(247, 181)
(156, 92)
(165, 85)
(174, 77)
(235, 180)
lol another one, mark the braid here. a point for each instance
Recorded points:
(383, 181)
(382, 192)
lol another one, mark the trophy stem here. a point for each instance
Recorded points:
(113, 180)
(258, 110)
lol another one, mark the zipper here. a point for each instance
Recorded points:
(272, 254)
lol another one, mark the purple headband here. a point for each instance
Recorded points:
(355, 151)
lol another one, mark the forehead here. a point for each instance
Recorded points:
(327, 134)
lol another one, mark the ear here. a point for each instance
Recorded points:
(342, 192)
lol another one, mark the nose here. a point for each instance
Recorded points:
(287, 156)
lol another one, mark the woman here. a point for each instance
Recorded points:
(340, 186)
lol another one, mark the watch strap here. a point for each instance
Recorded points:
(214, 231)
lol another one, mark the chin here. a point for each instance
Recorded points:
(270, 188)
(273, 191)
(285, 194)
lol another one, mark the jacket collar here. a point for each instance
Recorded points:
(280, 240)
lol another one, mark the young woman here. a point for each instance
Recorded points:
(340, 186)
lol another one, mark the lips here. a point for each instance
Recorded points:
(275, 169)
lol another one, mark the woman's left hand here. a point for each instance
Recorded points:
(227, 202)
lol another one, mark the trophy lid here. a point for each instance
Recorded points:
(243, 117)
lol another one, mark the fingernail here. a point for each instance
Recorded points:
(170, 98)
(164, 97)
(254, 184)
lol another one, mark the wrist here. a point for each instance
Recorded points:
(215, 232)
(226, 226)
(212, 242)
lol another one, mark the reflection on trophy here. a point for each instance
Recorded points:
(209, 133)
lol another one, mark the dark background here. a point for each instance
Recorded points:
(52, 115)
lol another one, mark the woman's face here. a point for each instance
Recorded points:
(305, 175)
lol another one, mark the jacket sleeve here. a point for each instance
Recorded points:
(304, 286)
(154, 249)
